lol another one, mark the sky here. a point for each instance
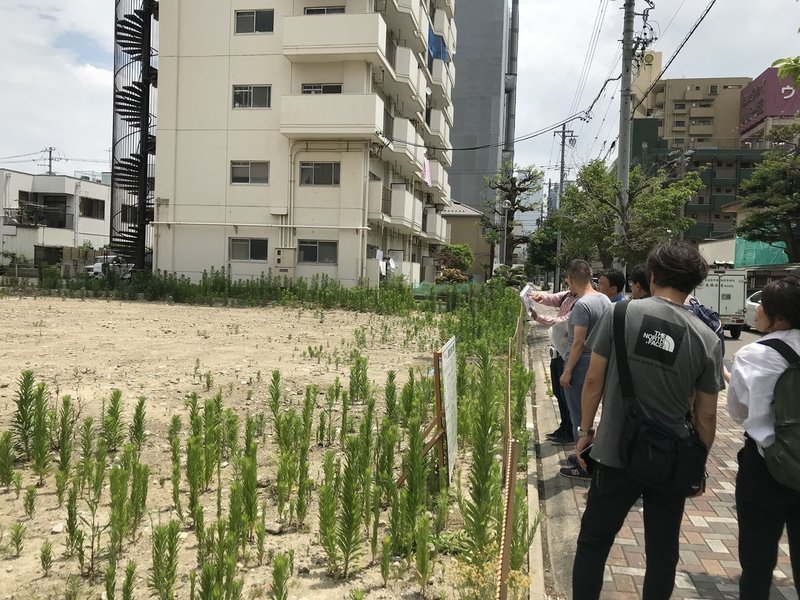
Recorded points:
(56, 70)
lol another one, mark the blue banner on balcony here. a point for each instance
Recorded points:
(437, 48)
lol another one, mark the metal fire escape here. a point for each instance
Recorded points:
(134, 147)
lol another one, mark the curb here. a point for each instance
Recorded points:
(536, 565)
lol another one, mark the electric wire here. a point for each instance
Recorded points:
(674, 55)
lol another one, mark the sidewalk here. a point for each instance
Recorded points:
(709, 566)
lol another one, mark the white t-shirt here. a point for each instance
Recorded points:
(756, 369)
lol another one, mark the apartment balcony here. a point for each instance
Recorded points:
(406, 147)
(380, 202)
(433, 225)
(695, 94)
(403, 205)
(439, 128)
(704, 130)
(702, 111)
(442, 76)
(335, 38)
(339, 116)
(699, 231)
(718, 201)
(696, 209)
(418, 216)
(449, 6)
(439, 181)
(444, 26)
(407, 82)
(409, 18)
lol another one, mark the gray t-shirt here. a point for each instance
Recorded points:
(671, 353)
(586, 313)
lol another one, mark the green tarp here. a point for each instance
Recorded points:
(752, 254)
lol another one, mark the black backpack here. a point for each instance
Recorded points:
(783, 457)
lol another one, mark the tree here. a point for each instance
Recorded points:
(594, 224)
(542, 248)
(514, 187)
(454, 256)
(771, 197)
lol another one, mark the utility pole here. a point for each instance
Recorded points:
(49, 159)
(564, 133)
(624, 148)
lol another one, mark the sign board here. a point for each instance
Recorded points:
(450, 401)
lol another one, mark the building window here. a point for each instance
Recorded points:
(252, 96)
(248, 249)
(372, 251)
(680, 106)
(713, 90)
(679, 141)
(92, 208)
(255, 21)
(251, 172)
(321, 88)
(732, 86)
(706, 104)
(680, 123)
(313, 251)
(324, 10)
(319, 173)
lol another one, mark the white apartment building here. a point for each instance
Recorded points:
(41, 214)
(303, 137)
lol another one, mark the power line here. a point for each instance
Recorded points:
(3, 158)
(590, 52)
(674, 55)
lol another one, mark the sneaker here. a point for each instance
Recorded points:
(565, 439)
(574, 473)
(572, 459)
(554, 433)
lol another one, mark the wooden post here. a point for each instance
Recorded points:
(507, 433)
(508, 522)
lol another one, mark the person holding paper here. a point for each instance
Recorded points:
(562, 435)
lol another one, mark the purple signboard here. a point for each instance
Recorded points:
(767, 96)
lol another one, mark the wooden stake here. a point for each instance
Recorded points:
(508, 522)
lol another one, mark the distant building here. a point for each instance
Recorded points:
(465, 226)
(691, 113)
(722, 171)
(479, 98)
(766, 103)
(41, 214)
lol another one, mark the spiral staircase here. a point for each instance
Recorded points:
(134, 145)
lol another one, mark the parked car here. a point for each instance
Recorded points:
(750, 306)
(103, 265)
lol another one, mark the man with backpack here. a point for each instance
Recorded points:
(764, 397)
(673, 367)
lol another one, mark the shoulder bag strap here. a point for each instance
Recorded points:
(623, 368)
(784, 349)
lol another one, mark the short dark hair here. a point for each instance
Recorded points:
(639, 275)
(616, 278)
(780, 299)
(580, 270)
(677, 265)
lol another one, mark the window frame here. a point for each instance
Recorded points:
(317, 245)
(249, 164)
(243, 88)
(254, 12)
(95, 204)
(310, 89)
(336, 173)
(324, 10)
(249, 241)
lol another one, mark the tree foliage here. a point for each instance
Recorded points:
(454, 256)
(514, 187)
(770, 199)
(594, 224)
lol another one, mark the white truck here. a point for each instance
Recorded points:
(725, 291)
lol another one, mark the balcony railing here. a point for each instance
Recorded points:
(344, 116)
(386, 201)
(57, 219)
(351, 36)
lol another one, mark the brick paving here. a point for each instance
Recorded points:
(709, 566)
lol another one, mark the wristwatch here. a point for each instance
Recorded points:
(586, 433)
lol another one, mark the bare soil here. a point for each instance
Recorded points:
(87, 348)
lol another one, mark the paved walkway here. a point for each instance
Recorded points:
(709, 566)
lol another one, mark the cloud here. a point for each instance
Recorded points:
(56, 80)
(738, 38)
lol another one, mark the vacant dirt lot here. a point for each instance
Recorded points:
(163, 352)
